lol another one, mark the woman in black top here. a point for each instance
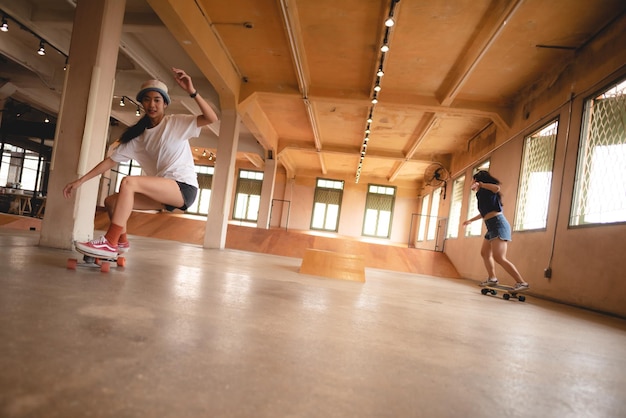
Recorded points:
(498, 233)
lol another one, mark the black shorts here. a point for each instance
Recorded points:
(189, 193)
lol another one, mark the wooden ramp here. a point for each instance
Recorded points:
(184, 228)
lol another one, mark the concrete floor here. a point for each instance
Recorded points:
(187, 332)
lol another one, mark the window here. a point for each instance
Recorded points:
(327, 205)
(421, 235)
(129, 168)
(378, 211)
(455, 207)
(248, 196)
(474, 229)
(205, 181)
(600, 187)
(434, 214)
(536, 179)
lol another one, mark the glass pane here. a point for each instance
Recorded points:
(434, 214)
(384, 222)
(455, 207)
(536, 179)
(421, 234)
(240, 206)
(602, 160)
(332, 213)
(253, 207)
(319, 212)
(369, 227)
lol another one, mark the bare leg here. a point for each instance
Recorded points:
(142, 192)
(498, 249)
(487, 255)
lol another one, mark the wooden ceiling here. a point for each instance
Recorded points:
(302, 72)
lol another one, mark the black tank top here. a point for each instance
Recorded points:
(488, 201)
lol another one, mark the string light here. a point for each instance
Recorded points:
(4, 27)
(384, 49)
(42, 49)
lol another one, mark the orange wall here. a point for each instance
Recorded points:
(588, 264)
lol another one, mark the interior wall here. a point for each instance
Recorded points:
(587, 263)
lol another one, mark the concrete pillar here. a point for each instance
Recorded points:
(83, 122)
(223, 179)
(267, 194)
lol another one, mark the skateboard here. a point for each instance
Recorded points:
(509, 292)
(93, 261)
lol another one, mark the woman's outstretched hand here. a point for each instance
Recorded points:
(70, 187)
(183, 80)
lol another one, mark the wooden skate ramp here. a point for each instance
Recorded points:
(184, 228)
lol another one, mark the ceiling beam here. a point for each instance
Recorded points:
(423, 128)
(492, 25)
(190, 25)
(291, 21)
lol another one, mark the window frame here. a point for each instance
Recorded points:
(337, 187)
(369, 197)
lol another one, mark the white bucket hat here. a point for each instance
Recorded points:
(154, 85)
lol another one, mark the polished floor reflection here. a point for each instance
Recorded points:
(187, 332)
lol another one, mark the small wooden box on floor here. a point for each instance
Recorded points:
(333, 265)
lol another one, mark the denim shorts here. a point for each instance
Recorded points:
(498, 227)
(189, 193)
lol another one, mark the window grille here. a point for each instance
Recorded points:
(421, 233)
(475, 228)
(455, 207)
(536, 178)
(600, 187)
(434, 214)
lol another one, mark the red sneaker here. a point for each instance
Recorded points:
(97, 247)
(122, 247)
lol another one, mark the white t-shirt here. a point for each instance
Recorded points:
(164, 151)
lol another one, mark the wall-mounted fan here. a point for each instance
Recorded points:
(436, 175)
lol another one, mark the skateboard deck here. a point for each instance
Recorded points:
(508, 292)
(94, 261)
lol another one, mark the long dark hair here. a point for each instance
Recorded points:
(484, 177)
(135, 130)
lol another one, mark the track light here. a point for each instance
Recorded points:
(384, 48)
(138, 112)
(122, 103)
(374, 100)
(46, 120)
(390, 22)
(42, 49)
(380, 72)
(377, 88)
(5, 25)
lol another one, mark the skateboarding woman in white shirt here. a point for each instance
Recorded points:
(160, 144)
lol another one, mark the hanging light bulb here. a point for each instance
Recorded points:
(122, 103)
(42, 49)
(5, 25)
(46, 120)
(138, 112)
